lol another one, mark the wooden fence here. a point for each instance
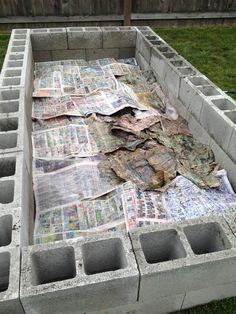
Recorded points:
(36, 11)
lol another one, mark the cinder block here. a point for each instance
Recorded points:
(231, 150)
(42, 56)
(177, 104)
(144, 65)
(189, 95)
(13, 102)
(119, 37)
(156, 306)
(198, 131)
(16, 192)
(49, 39)
(225, 161)
(68, 54)
(173, 259)
(144, 47)
(199, 297)
(62, 277)
(126, 53)
(216, 123)
(157, 63)
(84, 37)
(15, 136)
(93, 54)
(172, 79)
(146, 30)
(10, 223)
(10, 281)
(17, 70)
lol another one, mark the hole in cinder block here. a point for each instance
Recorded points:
(17, 49)
(198, 81)
(9, 94)
(11, 81)
(8, 124)
(7, 107)
(103, 256)
(178, 63)
(5, 230)
(20, 31)
(148, 33)
(224, 104)
(12, 73)
(53, 265)
(18, 42)
(170, 55)
(151, 37)
(207, 238)
(157, 42)
(56, 30)
(20, 37)
(14, 64)
(209, 91)
(92, 29)
(6, 191)
(40, 30)
(8, 140)
(186, 71)
(76, 29)
(231, 116)
(163, 49)
(16, 57)
(4, 270)
(7, 166)
(162, 246)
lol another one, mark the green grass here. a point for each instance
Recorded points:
(227, 306)
(212, 50)
(4, 38)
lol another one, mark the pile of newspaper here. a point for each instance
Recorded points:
(111, 153)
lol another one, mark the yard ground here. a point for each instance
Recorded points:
(213, 51)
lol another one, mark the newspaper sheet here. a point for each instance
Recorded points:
(40, 125)
(82, 179)
(79, 219)
(62, 141)
(77, 77)
(105, 102)
(127, 207)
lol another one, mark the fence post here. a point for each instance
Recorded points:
(127, 12)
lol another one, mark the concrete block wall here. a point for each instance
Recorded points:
(51, 44)
(61, 276)
(188, 259)
(16, 192)
(79, 276)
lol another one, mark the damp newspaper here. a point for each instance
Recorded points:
(65, 182)
(105, 102)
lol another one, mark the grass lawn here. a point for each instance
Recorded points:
(4, 38)
(212, 50)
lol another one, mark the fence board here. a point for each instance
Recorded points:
(65, 8)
